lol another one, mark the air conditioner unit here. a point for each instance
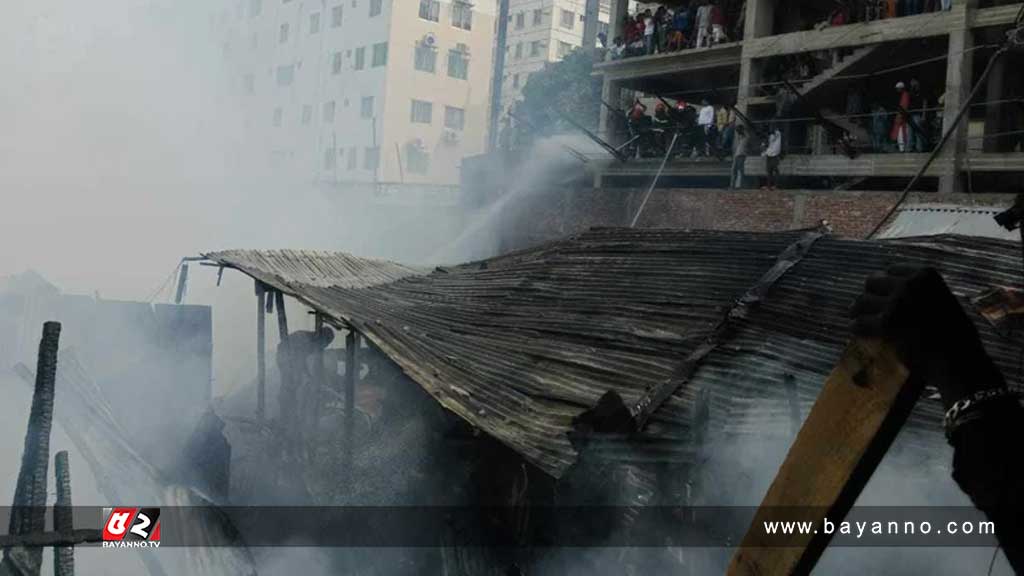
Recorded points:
(429, 40)
(450, 136)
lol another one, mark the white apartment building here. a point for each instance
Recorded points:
(366, 91)
(542, 31)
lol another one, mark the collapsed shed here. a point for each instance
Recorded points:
(519, 345)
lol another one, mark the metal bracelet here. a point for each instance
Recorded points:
(968, 409)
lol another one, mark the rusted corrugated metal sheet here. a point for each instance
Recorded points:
(301, 268)
(519, 345)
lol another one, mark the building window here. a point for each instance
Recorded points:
(458, 63)
(366, 107)
(352, 158)
(336, 63)
(519, 50)
(376, 7)
(360, 58)
(538, 17)
(422, 112)
(417, 159)
(255, 7)
(371, 158)
(249, 83)
(380, 54)
(282, 36)
(285, 75)
(337, 14)
(328, 111)
(563, 49)
(307, 114)
(278, 116)
(430, 10)
(426, 58)
(314, 23)
(535, 48)
(520, 20)
(568, 19)
(462, 15)
(330, 159)
(515, 80)
(454, 118)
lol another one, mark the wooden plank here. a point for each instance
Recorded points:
(862, 406)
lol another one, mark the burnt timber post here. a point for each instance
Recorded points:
(351, 371)
(63, 520)
(179, 295)
(261, 351)
(29, 513)
(320, 375)
(285, 415)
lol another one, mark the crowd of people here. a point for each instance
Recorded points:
(702, 131)
(705, 23)
(911, 123)
(695, 24)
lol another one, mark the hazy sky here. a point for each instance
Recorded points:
(121, 148)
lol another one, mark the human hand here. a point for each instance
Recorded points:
(913, 309)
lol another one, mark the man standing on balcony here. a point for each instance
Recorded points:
(703, 24)
(741, 143)
(706, 121)
(647, 21)
(899, 124)
(772, 156)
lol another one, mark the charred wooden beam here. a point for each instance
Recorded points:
(29, 513)
(63, 519)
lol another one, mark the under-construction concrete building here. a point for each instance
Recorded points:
(793, 65)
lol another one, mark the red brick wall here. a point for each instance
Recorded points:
(850, 214)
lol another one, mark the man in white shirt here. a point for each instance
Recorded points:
(706, 120)
(648, 32)
(703, 24)
(773, 155)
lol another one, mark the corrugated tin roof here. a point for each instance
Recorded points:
(931, 219)
(300, 268)
(520, 344)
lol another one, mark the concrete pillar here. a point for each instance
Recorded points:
(995, 118)
(590, 20)
(611, 92)
(619, 8)
(959, 76)
(757, 23)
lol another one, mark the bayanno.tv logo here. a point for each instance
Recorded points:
(131, 527)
